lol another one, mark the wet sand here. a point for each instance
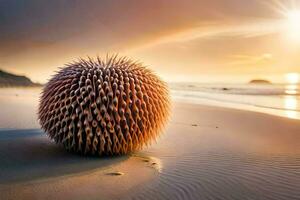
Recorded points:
(205, 153)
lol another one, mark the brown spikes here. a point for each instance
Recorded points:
(104, 107)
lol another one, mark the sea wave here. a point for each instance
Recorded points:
(283, 100)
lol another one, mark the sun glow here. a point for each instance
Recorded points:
(293, 25)
(292, 78)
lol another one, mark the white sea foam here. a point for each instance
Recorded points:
(281, 100)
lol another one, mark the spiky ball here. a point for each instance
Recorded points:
(104, 107)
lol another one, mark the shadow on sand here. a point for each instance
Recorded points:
(27, 155)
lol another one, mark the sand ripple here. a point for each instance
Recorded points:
(225, 176)
(208, 167)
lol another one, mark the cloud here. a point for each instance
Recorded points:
(250, 59)
(36, 37)
(248, 29)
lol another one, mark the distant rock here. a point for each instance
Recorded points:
(259, 81)
(12, 80)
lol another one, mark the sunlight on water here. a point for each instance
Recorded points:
(290, 104)
(290, 101)
(276, 99)
(291, 89)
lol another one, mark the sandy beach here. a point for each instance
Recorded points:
(205, 153)
(150, 100)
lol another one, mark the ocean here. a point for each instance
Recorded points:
(276, 99)
(19, 105)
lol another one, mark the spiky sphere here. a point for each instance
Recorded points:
(104, 107)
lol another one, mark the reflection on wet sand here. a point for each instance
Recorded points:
(291, 102)
(291, 105)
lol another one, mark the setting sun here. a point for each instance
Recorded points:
(164, 99)
(292, 78)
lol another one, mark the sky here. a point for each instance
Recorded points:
(191, 40)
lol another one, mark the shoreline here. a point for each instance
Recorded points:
(286, 113)
(203, 146)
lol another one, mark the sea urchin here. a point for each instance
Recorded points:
(104, 107)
